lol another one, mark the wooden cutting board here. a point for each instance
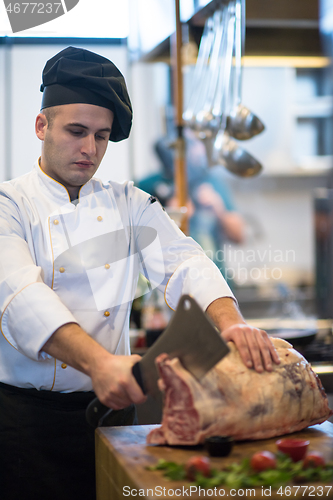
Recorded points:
(122, 457)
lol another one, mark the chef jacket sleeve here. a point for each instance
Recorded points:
(173, 262)
(30, 310)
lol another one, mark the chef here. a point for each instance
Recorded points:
(71, 250)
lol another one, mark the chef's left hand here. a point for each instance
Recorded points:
(254, 346)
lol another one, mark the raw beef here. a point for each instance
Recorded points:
(236, 401)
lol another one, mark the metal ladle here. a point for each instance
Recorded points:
(242, 124)
(225, 150)
(199, 82)
(206, 123)
(212, 116)
(234, 158)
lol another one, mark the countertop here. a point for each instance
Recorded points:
(122, 456)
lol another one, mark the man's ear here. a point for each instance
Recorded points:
(41, 126)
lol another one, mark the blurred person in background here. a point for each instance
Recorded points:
(213, 217)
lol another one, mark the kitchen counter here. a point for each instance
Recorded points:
(122, 457)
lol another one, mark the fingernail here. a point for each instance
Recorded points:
(249, 363)
(260, 368)
(269, 366)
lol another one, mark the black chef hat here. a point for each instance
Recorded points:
(79, 76)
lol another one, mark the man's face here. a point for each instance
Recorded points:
(74, 143)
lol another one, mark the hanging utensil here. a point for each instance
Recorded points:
(207, 124)
(226, 151)
(242, 124)
(220, 109)
(211, 116)
(200, 81)
(234, 158)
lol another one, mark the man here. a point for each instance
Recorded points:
(71, 249)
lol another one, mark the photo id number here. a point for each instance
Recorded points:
(305, 491)
(33, 7)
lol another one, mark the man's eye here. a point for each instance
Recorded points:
(100, 137)
(76, 132)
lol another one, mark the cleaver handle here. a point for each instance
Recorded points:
(97, 411)
(136, 370)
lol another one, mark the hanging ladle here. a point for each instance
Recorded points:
(225, 150)
(207, 124)
(242, 124)
(200, 80)
(234, 158)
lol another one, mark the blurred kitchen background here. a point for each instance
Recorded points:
(282, 270)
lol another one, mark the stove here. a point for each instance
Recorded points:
(317, 351)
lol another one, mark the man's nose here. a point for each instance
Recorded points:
(88, 145)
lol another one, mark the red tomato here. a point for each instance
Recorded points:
(197, 464)
(263, 460)
(313, 459)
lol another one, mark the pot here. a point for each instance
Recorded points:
(296, 337)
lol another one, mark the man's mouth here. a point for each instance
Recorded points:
(84, 164)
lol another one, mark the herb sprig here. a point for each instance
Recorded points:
(239, 475)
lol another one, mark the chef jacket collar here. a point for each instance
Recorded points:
(57, 190)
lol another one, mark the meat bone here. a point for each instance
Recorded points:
(190, 336)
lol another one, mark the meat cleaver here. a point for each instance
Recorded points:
(189, 336)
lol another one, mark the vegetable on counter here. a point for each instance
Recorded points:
(280, 470)
(197, 464)
(313, 459)
(263, 460)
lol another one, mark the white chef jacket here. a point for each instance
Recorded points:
(61, 263)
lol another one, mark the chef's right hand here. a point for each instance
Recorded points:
(114, 383)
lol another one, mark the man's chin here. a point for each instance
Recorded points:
(80, 178)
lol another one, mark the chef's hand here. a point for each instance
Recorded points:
(111, 375)
(254, 346)
(114, 383)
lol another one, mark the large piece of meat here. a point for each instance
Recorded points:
(236, 401)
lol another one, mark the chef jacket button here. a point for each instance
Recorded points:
(61, 269)
(99, 218)
(63, 365)
(106, 313)
(107, 266)
(55, 222)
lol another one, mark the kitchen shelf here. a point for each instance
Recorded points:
(316, 107)
(272, 28)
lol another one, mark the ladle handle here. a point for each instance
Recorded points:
(200, 69)
(239, 47)
(222, 97)
(213, 72)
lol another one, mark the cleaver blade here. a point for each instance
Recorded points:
(190, 336)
